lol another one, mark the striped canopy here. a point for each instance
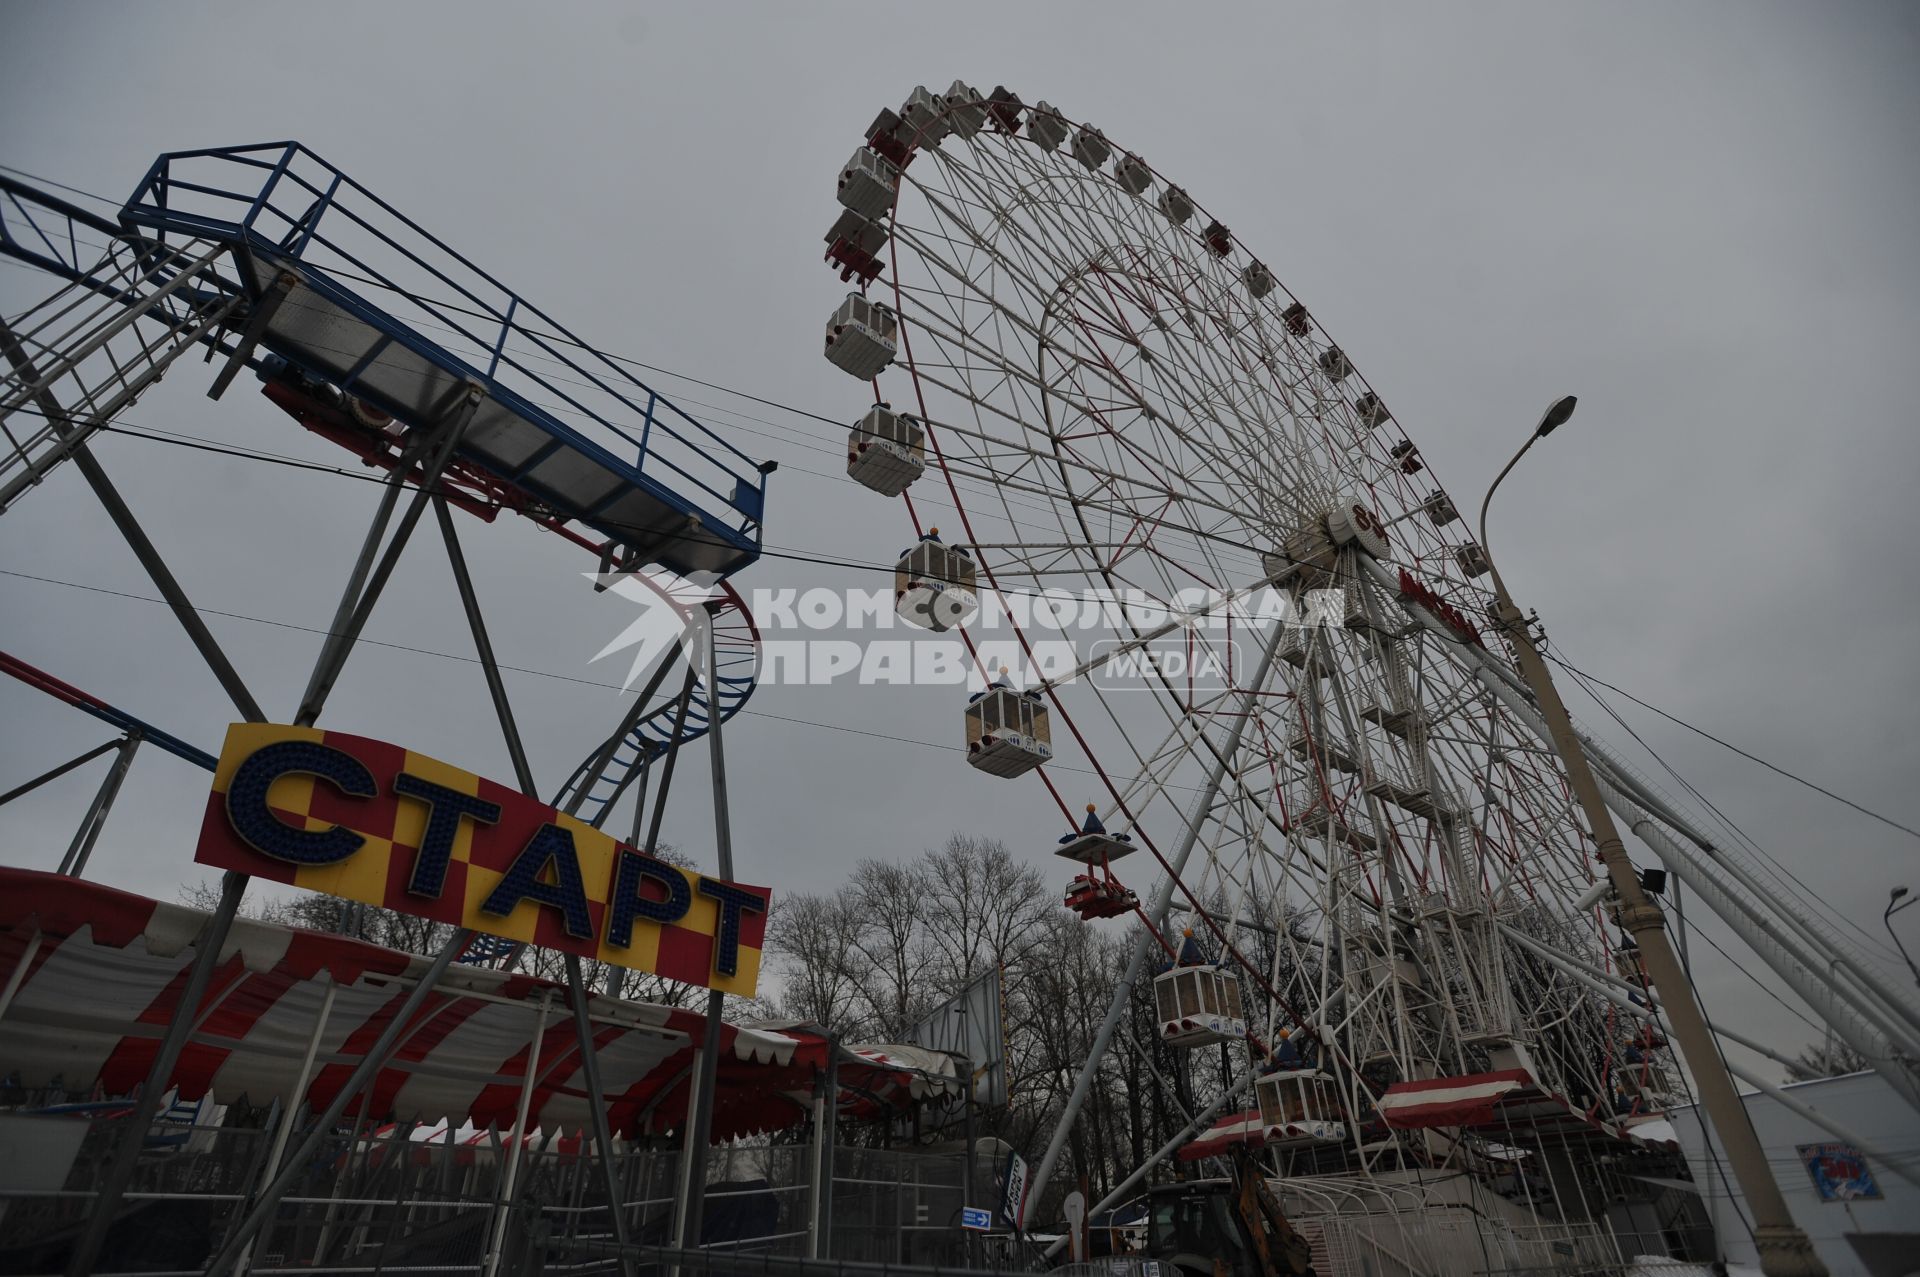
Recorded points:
(93, 975)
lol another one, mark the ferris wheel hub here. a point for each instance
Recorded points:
(1353, 523)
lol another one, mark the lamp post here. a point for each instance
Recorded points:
(1783, 1248)
(1898, 899)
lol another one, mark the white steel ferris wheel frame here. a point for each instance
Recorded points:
(1146, 409)
(1144, 424)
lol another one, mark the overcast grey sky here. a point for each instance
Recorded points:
(1699, 218)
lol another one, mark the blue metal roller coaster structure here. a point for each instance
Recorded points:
(369, 329)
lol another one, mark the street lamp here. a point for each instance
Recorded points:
(1897, 899)
(1783, 1248)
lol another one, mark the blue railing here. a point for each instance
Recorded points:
(280, 201)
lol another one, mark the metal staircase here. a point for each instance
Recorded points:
(602, 777)
(81, 357)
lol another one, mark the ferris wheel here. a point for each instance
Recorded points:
(1288, 694)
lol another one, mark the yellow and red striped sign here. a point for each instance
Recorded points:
(376, 823)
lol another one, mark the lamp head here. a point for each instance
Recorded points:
(1556, 416)
(1896, 893)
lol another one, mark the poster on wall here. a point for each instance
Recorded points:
(1840, 1173)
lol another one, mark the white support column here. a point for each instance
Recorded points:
(1855, 1020)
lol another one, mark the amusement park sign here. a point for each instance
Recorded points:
(376, 823)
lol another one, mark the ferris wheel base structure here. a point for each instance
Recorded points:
(344, 292)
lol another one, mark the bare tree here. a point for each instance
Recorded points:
(1830, 1058)
(889, 901)
(826, 974)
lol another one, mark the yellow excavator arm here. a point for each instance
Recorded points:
(1282, 1251)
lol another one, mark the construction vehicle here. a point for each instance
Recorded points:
(1230, 1227)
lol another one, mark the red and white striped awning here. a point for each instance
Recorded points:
(93, 975)
(1235, 1128)
(1452, 1101)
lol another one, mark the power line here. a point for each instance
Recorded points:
(1729, 745)
(795, 554)
(1198, 534)
(515, 669)
(1786, 876)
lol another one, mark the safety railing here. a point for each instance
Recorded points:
(281, 202)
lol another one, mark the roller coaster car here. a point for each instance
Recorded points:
(375, 436)
(1225, 1227)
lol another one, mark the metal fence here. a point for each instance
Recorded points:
(389, 1202)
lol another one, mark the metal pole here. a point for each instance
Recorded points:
(296, 1103)
(828, 1134)
(820, 1101)
(504, 1206)
(1156, 919)
(18, 976)
(341, 638)
(576, 988)
(597, 1106)
(1783, 1248)
(143, 548)
(74, 864)
(687, 1140)
(21, 791)
(1165, 1151)
(483, 646)
(86, 1249)
(700, 1117)
(266, 1201)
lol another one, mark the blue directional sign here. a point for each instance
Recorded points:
(978, 1218)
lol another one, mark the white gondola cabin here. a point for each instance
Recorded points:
(1218, 239)
(1334, 363)
(868, 183)
(933, 584)
(924, 117)
(1007, 731)
(1090, 147)
(1045, 126)
(1299, 1105)
(966, 109)
(887, 450)
(1473, 560)
(1439, 507)
(1372, 412)
(1176, 204)
(1132, 172)
(1258, 279)
(860, 337)
(1298, 322)
(1198, 1004)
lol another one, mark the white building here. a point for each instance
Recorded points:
(1862, 1227)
